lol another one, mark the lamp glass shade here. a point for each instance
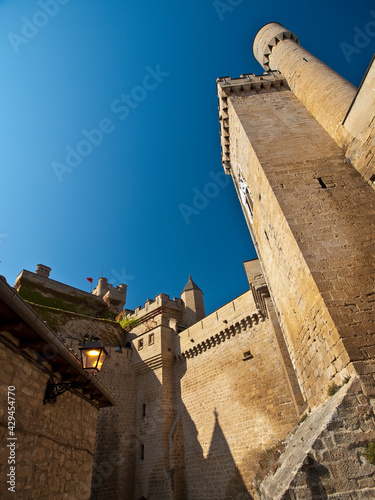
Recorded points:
(93, 355)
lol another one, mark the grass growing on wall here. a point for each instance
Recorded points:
(76, 305)
(128, 323)
(369, 454)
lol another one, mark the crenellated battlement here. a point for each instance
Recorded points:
(112, 295)
(252, 82)
(151, 305)
(103, 287)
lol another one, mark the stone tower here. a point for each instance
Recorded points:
(334, 102)
(192, 297)
(309, 211)
(321, 90)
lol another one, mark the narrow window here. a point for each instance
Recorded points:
(372, 178)
(247, 355)
(142, 451)
(143, 410)
(326, 183)
(151, 339)
(140, 344)
(322, 183)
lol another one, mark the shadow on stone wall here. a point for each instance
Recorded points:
(219, 476)
(216, 475)
(174, 466)
(113, 470)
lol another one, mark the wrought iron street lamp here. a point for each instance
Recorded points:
(93, 354)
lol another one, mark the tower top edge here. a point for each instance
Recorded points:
(266, 38)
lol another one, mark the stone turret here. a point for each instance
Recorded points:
(326, 94)
(113, 296)
(192, 297)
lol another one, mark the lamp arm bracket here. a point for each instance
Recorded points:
(54, 390)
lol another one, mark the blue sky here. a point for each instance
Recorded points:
(68, 69)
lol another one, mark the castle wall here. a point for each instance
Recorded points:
(105, 301)
(153, 365)
(69, 326)
(116, 445)
(312, 224)
(232, 398)
(346, 115)
(113, 296)
(42, 290)
(54, 452)
(264, 303)
(325, 456)
(153, 306)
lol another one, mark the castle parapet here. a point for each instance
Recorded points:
(161, 300)
(232, 318)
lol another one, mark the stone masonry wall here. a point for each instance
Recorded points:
(113, 468)
(324, 93)
(263, 301)
(54, 452)
(69, 326)
(42, 290)
(313, 221)
(347, 116)
(152, 306)
(232, 397)
(116, 446)
(152, 364)
(324, 456)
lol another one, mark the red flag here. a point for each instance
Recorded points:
(90, 280)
